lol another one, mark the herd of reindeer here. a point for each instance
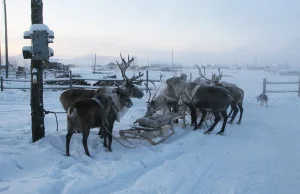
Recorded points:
(100, 108)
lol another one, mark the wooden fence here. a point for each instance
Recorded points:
(70, 83)
(265, 82)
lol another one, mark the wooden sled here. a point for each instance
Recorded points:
(152, 128)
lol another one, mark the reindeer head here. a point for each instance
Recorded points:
(130, 83)
(177, 83)
(124, 97)
(152, 105)
(214, 78)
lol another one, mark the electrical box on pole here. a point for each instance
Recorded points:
(40, 36)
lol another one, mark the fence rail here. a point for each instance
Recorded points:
(265, 83)
(147, 88)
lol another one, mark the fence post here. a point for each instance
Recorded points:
(70, 79)
(147, 81)
(1, 83)
(299, 87)
(264, 86)
(190, 76)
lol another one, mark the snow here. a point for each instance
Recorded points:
(51, 52)
(38, 27)
(260, 156)
(50, 34)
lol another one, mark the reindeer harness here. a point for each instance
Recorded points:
(190, 95)
(169, 98)
(195, 89)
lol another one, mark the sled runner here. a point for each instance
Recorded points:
(153, 129)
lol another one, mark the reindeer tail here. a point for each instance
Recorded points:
(72, 111)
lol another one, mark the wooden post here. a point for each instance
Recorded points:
(264, 86)
(190, 76)
(299, 87)
(70, 79)
(1, 83)
(147, 81)
(37, 104)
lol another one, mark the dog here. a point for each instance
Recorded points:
(263, 98)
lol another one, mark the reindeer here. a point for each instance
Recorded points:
(100, 111)
(68, 97)
(166, 99)
(195, 96)
(236, 92)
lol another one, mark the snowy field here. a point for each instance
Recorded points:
(260, 156)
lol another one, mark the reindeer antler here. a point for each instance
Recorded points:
(200, 72)
(124, 66)
(133, 78)
(214, 78)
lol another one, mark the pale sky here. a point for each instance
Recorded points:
(199, 31)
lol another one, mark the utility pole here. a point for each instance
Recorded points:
(37, 104)
(38, 52)
(95, 63)
(0, 56)
(173, 63)
(6, 46)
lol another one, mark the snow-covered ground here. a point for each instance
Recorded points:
(261, 156)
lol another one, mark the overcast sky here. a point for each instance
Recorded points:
(199, 31)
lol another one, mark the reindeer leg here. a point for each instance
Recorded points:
(240, 105)
(85, 135)
(110, 129)
(100, 133)
(104, 138)
(175, 110)
(225, 117)
(194, 118)
(68, 138)
(204, 112)
(235, 111)
(229, 115)
(109, 140)
(217, 119)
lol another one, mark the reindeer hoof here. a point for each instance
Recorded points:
(88, 154)
(220, 133)
(230, 122)
(207, 132)
(108, 150)
(195, 128)
(239, 122)
(67, 154)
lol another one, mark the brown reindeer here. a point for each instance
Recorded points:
(100, 111)
(68, 97)
(236, 92)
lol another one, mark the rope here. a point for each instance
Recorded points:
(130, 147)
(52, 112)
